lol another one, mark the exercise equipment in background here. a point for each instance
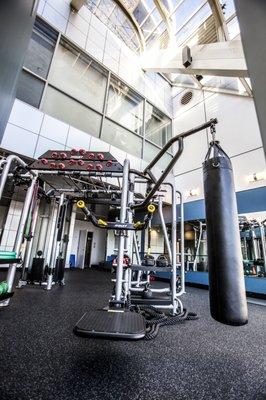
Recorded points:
(132, 312)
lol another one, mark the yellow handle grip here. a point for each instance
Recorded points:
(80, 204)
(151, 208)
(138, 224)
(102, 222)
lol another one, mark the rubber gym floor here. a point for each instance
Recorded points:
(42, 359)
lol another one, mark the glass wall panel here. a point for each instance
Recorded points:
(29, 89)
(41, 48)
(193, 24)
(150, 151)
(185, 11)
(158, 126)
(76, 74)
(61, 106)
(121, 138)
(124, 106)
(233, 28)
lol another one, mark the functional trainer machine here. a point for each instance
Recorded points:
(135, 307)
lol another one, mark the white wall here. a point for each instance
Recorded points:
(11, 226)
(237, 131)
(31, 132)
(157, 241)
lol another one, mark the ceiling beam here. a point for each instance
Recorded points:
(221, 27)
(217, 59)
(166, 18)
(133, 22)
(211, 89)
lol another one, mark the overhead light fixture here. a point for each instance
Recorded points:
(193, 192)
(257, 176)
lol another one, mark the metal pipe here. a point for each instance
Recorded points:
(135, 243)
(20, 235)
(198, 246)
(29, 244)
(176, 139)
(166, 238)
(129, 237)
(263, 245)
(139, 283)
(161, 290)
(182, 241)
(55, 243)
(42, 237)
(106, 191)
(51, 231)
(6, 169)
(158, 183)
(123, 213)
(254, 244)
(174, 223)
(84, 173)
(179, 139)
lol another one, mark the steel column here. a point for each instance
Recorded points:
(20, 236)
(123, 213)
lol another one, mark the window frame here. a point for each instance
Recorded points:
(110, 75)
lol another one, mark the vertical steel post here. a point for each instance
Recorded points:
(48, 247)
(20, 236)
(29, 245)
(254, 244)
(198, 247)
(182, 240)
(174, 223)
(135, 243)
(164, 229)
(55, 243)
(123, 213)
(263, 245)
(129, 238)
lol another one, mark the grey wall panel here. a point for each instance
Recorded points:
(252, 16)
(16, 23)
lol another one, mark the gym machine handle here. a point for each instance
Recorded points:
(179, 139)
(100, 223)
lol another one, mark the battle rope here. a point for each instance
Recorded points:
(156, 319)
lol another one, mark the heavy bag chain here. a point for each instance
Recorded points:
(213, 132)
(217, 150)
(213, 142)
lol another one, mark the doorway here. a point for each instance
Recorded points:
(88, 247)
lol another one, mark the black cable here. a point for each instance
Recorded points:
(156, 319)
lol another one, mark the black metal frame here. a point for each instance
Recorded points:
(147, 171)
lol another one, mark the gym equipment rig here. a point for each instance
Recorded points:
(75, 176)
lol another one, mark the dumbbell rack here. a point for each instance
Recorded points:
(77, 160)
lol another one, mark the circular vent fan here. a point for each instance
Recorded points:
(186, 98)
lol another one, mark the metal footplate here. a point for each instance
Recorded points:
(107, 324)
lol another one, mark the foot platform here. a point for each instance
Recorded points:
(110, 324)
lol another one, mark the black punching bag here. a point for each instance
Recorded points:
(226, 276)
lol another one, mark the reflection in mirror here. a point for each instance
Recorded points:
(252, 229)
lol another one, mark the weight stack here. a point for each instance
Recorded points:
(228, 303)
